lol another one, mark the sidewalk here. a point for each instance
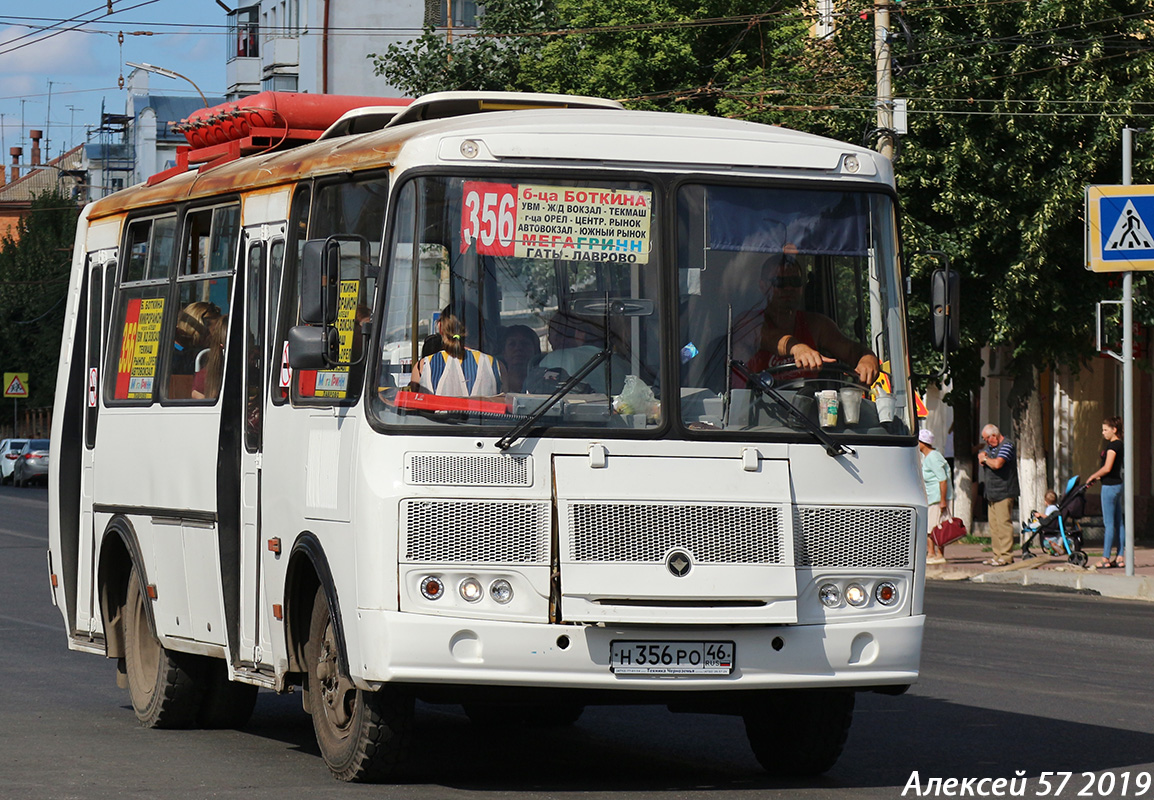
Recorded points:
(965, 563)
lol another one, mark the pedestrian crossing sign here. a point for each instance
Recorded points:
(15, 384)
(1119, 228)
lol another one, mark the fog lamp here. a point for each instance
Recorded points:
(471, 590)
(886, 593)
(501, 591)
(856, 596)
(830, 595)
(432, 588)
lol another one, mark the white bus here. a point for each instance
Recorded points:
(488, 399)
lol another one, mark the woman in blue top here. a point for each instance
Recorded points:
(939, 492)
(1110, 473)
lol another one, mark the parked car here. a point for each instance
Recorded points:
(31, 463)
(9, 448)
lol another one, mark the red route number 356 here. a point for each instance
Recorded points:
(489, 217)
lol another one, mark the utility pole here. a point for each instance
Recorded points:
(885, 78)
(48, 125)
(1128, 376)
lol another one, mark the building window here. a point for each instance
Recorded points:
(463, 13)
(279, 83)
(244, 33)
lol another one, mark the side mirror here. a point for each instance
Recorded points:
(320, 277)
(945, 294)
(312, 347)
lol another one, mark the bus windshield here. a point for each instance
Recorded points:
(502, 295)
(794, 291)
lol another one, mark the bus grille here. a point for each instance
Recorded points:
(830, 536)
(475, 532)
(424, 469)
(645, 533)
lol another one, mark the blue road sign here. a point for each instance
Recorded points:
(1119, 228)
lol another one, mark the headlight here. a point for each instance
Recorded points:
(856, 596)
(830, 595)
(501, 591)
(471, 590)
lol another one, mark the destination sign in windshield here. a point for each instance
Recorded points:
(557, 222)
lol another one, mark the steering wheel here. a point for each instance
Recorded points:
(831, 372)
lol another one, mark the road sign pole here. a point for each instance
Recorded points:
(1128, 376)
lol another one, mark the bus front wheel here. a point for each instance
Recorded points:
(800, 732)
(362, 735)
(163, 685)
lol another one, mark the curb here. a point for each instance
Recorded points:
(1136, 587)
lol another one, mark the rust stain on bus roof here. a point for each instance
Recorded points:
(254, 172)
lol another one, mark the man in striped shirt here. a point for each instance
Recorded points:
(1001, 478)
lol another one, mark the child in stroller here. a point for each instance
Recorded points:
(1058, 532)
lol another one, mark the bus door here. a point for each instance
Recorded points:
(261, 243)
(101, 279)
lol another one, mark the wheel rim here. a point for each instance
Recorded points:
(338, 694)
(142, 660)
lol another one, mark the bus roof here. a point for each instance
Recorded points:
(601, 135)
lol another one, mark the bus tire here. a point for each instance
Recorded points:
(800, 733)
(226, 704)
(363, 736)
(164, 685)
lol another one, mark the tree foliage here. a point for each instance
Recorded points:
(34, 269)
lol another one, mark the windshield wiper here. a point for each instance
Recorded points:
(506, 441)
(765, 387)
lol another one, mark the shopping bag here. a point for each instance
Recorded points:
(948, 530)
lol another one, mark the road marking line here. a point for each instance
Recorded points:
(27, 622)
(7, 532)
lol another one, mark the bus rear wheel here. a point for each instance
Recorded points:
(164, 685)
(800, 732)
(363, 736)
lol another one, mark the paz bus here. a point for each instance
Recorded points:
(520, 402)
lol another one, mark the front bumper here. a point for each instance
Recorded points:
(413, 648)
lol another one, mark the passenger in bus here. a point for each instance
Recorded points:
(434, 342)
(192, 326)
(210, 362)
(455, 370)
(520, 345)
(807, 338)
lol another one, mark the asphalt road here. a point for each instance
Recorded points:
(1013, 680)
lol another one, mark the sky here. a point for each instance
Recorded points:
(63, 59)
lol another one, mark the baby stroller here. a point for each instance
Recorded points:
(1059, 532)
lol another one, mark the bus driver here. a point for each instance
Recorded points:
(807, 338)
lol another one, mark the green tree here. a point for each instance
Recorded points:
(654, 54)
(34, 267)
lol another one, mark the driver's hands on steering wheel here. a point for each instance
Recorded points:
(807, 358)
(867, 369)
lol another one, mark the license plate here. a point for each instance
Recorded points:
(671, 658)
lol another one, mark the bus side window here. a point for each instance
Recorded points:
(134, 341)
(286, 286)
(95, 300)
(204, 291)
(354, 211)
